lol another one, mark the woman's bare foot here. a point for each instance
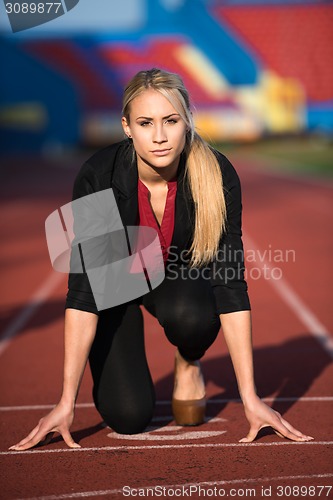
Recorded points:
(189, 383)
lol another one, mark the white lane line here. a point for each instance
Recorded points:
(315, 399)
(41, 407)
(202, 484)
(294, 302)
(304, 399)
(37, 299)
(167, 446)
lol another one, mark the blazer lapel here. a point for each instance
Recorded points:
(184, 212)
(125, 188)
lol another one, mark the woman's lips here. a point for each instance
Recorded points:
(161, 152)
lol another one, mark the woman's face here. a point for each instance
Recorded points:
(157, 130)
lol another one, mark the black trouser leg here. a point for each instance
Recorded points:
(123, 390)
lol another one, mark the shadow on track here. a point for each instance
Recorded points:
(47, 313)
(286, 371)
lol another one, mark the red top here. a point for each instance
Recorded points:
(147, 216)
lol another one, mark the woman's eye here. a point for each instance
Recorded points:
(172, 121)
(144, 124)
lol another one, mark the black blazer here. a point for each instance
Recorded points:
(115, 167)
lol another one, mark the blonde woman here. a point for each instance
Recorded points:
(164, 176)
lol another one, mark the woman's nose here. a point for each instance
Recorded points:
(159, 134)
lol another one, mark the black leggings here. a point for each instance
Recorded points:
(123, 389)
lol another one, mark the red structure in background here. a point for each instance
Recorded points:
(292, 40)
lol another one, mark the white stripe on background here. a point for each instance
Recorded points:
(295, 303)
(35, 302)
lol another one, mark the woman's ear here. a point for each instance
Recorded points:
(126, 127)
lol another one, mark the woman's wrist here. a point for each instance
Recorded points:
(249, 397)
(67, 401)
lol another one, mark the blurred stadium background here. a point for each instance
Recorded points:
(255, 70)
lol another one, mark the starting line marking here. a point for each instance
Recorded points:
(82, 494)
(170, 432)
(158, 436)
(313, 399)
(167, 446)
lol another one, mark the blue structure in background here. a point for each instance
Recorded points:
(320, 118)
(51, 113)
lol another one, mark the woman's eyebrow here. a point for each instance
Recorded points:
(163, 118)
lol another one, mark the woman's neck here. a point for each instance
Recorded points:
(149, 174)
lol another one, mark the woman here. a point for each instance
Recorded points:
(165, 176)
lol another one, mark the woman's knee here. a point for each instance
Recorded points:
(130, 420)
(192, 325)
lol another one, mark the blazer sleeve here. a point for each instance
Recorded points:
(79, 295)
(227, 269)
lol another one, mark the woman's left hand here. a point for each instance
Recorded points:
(259, 415)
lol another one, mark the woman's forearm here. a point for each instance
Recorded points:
(80, 329)
(237, 332)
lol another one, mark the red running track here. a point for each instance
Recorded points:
(287, 225)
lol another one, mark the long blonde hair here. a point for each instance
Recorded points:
(202, 167)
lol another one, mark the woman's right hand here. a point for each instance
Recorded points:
(80, 329)
(59, 420)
